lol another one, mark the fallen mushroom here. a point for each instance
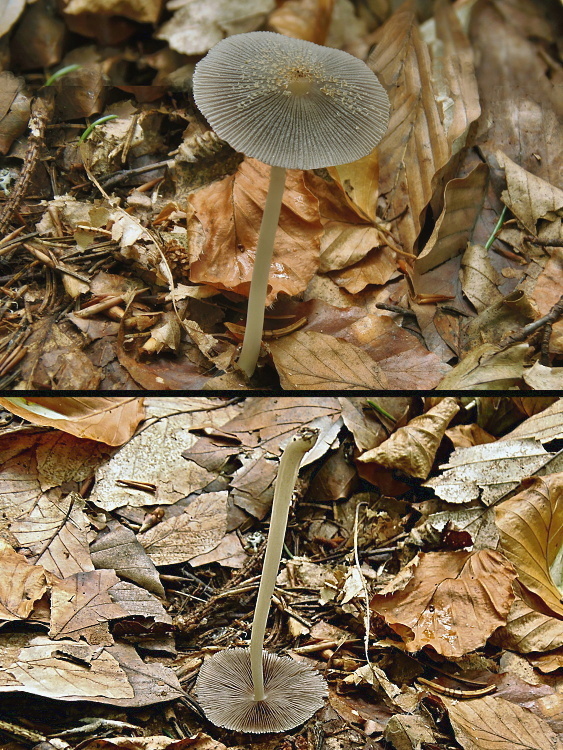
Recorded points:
(249, 689)
(291, 104)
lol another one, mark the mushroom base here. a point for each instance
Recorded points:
(293, 692)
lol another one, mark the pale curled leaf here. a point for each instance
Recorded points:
(108, 420)
(531, 533)
(412, 448)
(311, 360)
(528, 629)
(463, 201)
(228, 214)
(492, 722)
(487, 472)
(545, 425)
(453, 601)
(198, 25)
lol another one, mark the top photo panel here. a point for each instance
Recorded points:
(281, 195)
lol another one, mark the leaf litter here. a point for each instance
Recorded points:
(126, 255)
(416, 602)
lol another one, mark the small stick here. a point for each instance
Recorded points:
(547, 320)
(455, 692)
(42, 109)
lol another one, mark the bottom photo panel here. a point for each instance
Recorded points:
(281, 573)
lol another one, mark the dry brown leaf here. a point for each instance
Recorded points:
(198, 530)
(531, 533)
(226, 218)
(547, 663)
(463, 201)
(479, 279)
(117, 548)
(491, 722)
(406, 732)
(55, 532)
(528, 629)
(81, 607)
(377, 267)
(547, 292)
(412, 448)
(303, 19)
(359, 181)
(466, 435)
(108, 420)
(307, 360)
(453, 601)
(366, 424)
(21, 584)
(14, 106)
(66, 670)
(415, 134)
(529, 197)
(542, 378)
(487, 368)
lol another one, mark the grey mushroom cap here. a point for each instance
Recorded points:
(225, 691)
(290, 103)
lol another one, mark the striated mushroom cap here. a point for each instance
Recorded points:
(224, 689)
(290, 103)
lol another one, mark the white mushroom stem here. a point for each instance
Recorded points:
(302, 442)
(261, 273)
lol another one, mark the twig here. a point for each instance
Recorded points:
(42, 109)
(547, 320)
(543, 243)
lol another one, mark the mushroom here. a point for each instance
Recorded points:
(291, 104)
(249, 689)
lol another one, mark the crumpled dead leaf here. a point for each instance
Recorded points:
(531, 536)
(225, 223)
(488, 368)
(108, 420)
(453, 601)
(412, 448)
(527, 628)
(544, 425)
(529, 197)
(21, 584)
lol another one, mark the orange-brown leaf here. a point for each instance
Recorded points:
(107, 420)
(227, 216)
(453, 601)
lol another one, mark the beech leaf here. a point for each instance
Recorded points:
(453, 601)
(531, 534)
(310, 360)
(226, 221)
